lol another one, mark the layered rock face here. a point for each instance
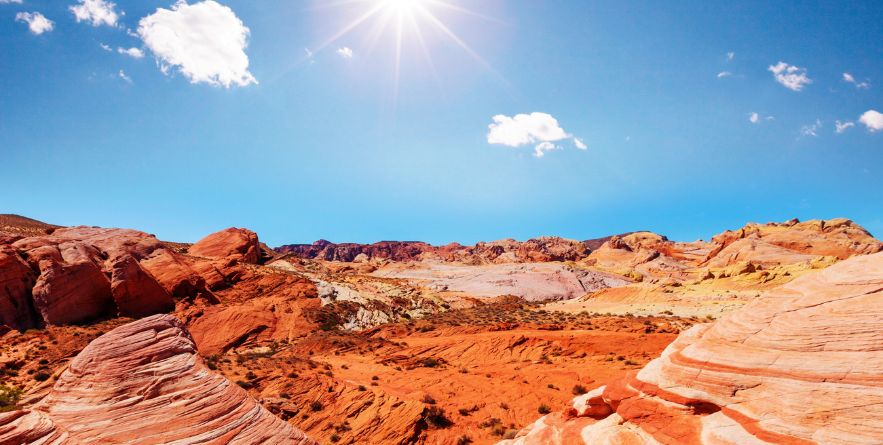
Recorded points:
(143, 383)
(801, 365)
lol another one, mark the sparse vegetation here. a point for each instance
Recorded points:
(579, 390)
(544, 409)
(9, 397)
(436, 417)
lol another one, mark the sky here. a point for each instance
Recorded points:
(440, 120)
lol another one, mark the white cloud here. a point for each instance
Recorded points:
(205, 41)
(18, 2)
(730, 56)
(96, 12)
(756, 118)
(125, 77)
(811, 129)
(840, 127)
(345, 52)
(872, 119)
(541, 149)
(37, 23)
(792, 77)
(525, 129)
(860, 85)
(723, 74)
(105, 47)
(131, 52)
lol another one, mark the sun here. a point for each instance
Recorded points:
(402, 6)
(405, 20)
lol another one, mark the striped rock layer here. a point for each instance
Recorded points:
(143, 383)
(801, 365)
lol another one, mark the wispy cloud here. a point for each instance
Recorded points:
(345, 52)
(790, 76)
(730, 56)
(756, 118)
(840, 127)
(864, 85)
(125, 77)
(723, 74)
(811, 129)
(37, 23)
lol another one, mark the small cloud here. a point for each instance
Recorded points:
(723, 74)
(756, 118)
(536, 128)
(37, 23)
(17, 2)
(345, 52)
(131, 52)
(125, 77)
(811, 129)
(872, 119)
(792, 77)
(730, 56)
(96, 12)
(840, 127)
(541, 149)
(105, 47)
(848, 78)
(206, 41)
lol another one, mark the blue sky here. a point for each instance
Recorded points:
(313, 139)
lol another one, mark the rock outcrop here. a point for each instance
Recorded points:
(233, 243)
(78, 274)
(801, 365)
(143, 383)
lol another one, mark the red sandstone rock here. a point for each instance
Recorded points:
(31, 427)
(78, 274)
(143, 383)
(801, 365)
(239, 244)
(16, 282)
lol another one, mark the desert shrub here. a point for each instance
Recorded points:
(334, 438)
(428, 399)
(544, 409)
(437, 417)
(464, 440)
(579, 390)
(41, 376)
(9, 397)
(430, 362)
(316, 406)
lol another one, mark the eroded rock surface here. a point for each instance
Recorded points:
(801, 365)
(143, 383)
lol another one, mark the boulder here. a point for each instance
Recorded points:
(232, 243)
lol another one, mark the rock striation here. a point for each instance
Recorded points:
(143, 383)
(802, 364)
